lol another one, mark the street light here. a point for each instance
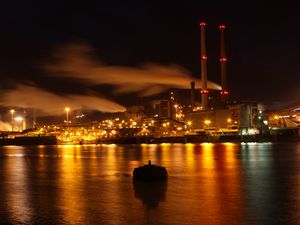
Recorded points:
(207, 123)
(189, 123)
(229, 122)
(12, 111)
(67, 109)
(19, 120)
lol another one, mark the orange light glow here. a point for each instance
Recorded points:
(207, 122)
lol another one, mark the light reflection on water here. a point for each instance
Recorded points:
(19, 205)
(228, 183)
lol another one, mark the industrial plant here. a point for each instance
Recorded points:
(196, 114)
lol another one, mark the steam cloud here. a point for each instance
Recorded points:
(25, 96)
(76, 61)
(4, 126)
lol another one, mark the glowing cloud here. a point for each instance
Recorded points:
(5, 126)
(77, 61)
(33, 97)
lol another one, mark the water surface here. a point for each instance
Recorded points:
(208, 184)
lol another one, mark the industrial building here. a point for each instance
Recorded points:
(224, 116)
(215, 112)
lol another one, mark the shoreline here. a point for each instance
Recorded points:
(199, 139)
(52, 140)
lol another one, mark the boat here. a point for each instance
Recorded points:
(150, 172)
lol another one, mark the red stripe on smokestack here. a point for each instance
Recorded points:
(204, 90)
(223, 62)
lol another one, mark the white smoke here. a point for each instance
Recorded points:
(76, 61)
(5, 126)
(25, 96)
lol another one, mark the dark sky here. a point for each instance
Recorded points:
(262, 40)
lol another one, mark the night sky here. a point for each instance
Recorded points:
(262, 41)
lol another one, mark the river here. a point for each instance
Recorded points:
(211, 184)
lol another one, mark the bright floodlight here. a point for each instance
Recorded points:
(67, 110)
(18, 118)
(207, 122)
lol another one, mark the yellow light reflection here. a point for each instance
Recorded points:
(165, 154)
(18, 189)
(208, 160)
(148, 153)
(230, 157)
(189, 156)
(72, 180)
(111, 162)
(219, 183)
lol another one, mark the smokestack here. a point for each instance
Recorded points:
(204, 91)
(34, 118)
(192, 95)
(223, 62)
(24, 121)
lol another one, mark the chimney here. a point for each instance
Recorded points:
(223, 62)
(34, 118)
(204, 91)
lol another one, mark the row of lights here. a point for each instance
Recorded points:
(19, 118)
(208, 122)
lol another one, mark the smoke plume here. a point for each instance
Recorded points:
(4, 126)
(76, 61)
(25, 96)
